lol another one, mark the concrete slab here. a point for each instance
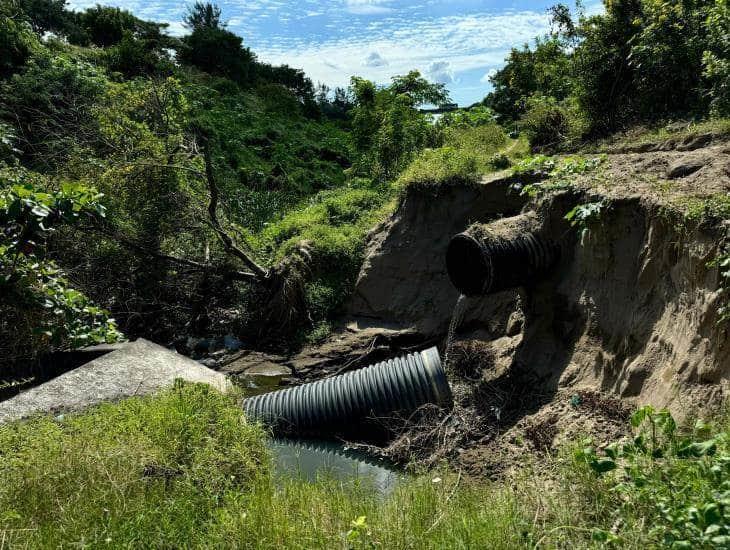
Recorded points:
(137, 368)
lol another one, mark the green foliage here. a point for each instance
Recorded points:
(466, 154)
(543, 70)
(17, 40)
(722, 263)
(559, 172)
(44, 15)
(160, 472)
(184, 468)
(675, 482)
(715, 207)
(40, 309)
(333, 224)
(52, 101)
(549, 124)
(445, 165)
(500, 161)
(106, 26)
(218, 52)
(582, 216)
(387, 128)
(716, 59)
(474, 116)
(639, 61)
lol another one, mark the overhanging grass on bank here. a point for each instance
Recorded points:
(184, 469)
(333, 225)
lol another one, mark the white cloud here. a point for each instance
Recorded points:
(374, 59)
(440, 71)
(368, 7)
(463, 42)
(489, 74)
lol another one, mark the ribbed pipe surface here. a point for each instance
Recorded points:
(342, 403)
(486, 264)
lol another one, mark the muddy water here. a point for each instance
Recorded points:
(456, 318)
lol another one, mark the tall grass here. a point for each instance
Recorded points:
(185, 470)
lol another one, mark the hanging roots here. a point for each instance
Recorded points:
(285, 307)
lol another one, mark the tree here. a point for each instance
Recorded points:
(203, 16)
(219, 52)
(544, 69)
(387, 128)
(45, 15)
(16, 39)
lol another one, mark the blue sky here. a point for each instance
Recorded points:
(456, 42)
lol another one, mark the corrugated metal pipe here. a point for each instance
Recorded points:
(355, 400)
(487, 258)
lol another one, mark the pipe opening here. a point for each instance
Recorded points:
(467, 265)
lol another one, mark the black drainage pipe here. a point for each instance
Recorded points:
(354, 401)
(487, 259)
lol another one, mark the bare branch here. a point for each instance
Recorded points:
(224, 237)
(129, 243)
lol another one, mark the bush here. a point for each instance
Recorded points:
(551, 125)
(333, 224)
(445, 165)
(40, 310)
(17, 40)
(716, 59)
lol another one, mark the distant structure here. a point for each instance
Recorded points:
(445, 108)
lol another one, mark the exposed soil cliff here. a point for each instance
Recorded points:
(631, 311)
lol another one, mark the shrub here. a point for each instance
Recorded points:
(333, 224)
(445, 165)
(550, 124)
(40, 311)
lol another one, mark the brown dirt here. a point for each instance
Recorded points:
(629, 317)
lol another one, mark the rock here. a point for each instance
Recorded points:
(137, 368)
(266, 374)
(252, 359)
(683, 168)
(691, 143)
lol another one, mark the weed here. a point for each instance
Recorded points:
(559, 172)
(583, 216)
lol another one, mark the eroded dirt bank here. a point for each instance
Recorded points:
(629, 316)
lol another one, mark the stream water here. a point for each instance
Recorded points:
(313, 459)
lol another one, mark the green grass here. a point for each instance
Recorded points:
(184, 469)
(333, 224)
(466, 154)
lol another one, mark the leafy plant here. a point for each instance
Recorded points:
(583, 216)
(722, 263)
(32, 284)
(680, 483)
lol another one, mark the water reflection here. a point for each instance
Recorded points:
(308, 459)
